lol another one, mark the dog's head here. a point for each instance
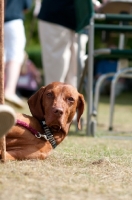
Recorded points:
(57, 103)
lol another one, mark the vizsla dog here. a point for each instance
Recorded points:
(53, 108)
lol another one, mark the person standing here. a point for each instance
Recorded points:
(14, 45)
(58, 41)
(58, 28)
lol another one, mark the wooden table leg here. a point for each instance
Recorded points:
(3, 148)
(2, 140)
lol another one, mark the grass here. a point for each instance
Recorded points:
(80, 167)
(122, 114)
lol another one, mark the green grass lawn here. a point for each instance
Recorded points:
(81, 167)
(122, 123)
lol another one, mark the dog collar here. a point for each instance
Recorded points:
(47, 133)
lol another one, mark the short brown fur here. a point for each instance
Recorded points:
(57, 103)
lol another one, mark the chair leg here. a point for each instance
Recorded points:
(112, 95)
(90, 77)
(112, 101)
(83, 75)
(97, 90)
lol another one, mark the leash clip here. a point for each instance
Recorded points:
(39, 135)
(45, 137)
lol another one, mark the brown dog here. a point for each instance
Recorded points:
(30, 138)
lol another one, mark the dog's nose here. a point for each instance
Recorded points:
(58, 111)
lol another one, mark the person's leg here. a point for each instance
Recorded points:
(14, 43)
(12, 74)
(83, 42)
(7, 119)
(55, 42)
(71, 77)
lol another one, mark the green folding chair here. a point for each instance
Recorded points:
(104, 53)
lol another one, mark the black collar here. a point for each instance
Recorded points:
(48, 134)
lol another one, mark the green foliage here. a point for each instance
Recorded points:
(31, 28)
(33, 45)
(35, 55)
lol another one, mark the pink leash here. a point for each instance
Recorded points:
(47, 136)
(33, 131)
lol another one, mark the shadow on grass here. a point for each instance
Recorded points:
(77, 134)
(124, 99)
(104, 134)
(74, 131)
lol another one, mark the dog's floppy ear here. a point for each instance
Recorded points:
(35, 104)
(80, 109)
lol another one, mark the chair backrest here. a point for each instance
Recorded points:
(84, 11)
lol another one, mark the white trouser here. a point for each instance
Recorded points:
(59, 53)
(14, 44)
(14, 41)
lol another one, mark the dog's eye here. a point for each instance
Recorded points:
(70, 99)
(49, 94)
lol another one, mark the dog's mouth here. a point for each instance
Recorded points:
(55, 128)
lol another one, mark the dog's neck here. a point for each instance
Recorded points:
(54, 138)
(47, 135)
(60, 135)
